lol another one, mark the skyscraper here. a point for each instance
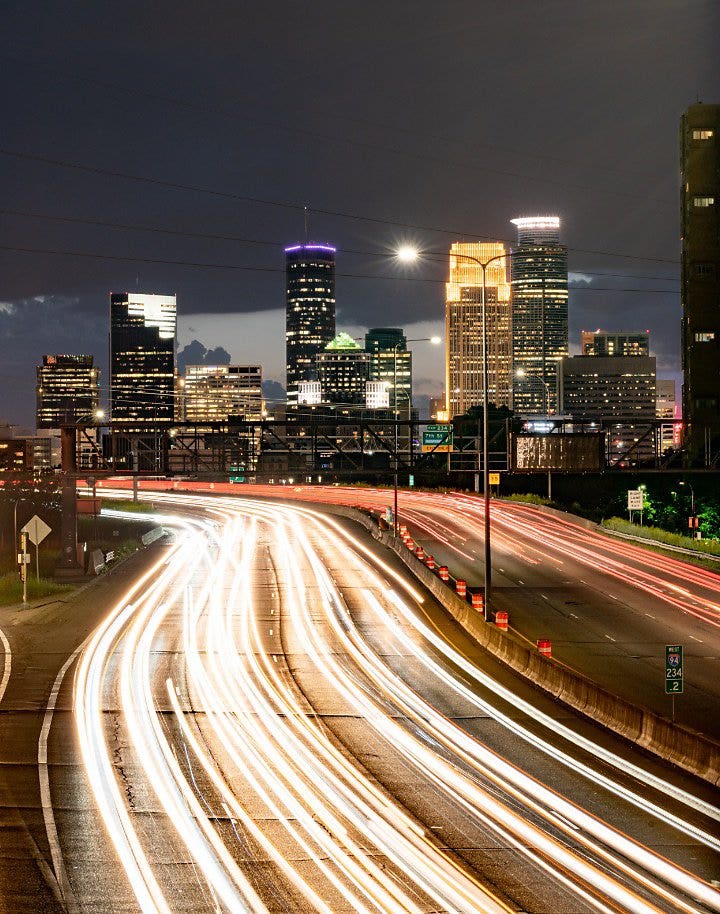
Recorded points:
(538, 271)
(464, 331)
(68, 390)
(391, 362)
(310, 310)
(700, 279)
(142, 362)
(625, 342)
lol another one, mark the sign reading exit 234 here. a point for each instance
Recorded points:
(673, 668)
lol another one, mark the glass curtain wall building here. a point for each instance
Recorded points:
(539, 279)
(68, 390)
(343, 370)
(602, 342)
(390, 359)
(142, 362)
(310, 311)
(464, 332)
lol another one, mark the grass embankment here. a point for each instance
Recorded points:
(135, 507)
(529, 499)
(11, 588)
(655, 539)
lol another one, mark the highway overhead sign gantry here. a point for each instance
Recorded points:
(36, 529)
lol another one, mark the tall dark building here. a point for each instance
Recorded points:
(700, 280)
(539, 280)
(310, 310)
(68, 390)
(391, 362)
(142, 362)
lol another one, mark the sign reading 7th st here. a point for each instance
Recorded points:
(673, 668)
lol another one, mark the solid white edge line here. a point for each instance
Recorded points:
(7, 664)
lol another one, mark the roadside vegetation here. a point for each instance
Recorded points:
(11, 588)
(658, 535)
(135, 507)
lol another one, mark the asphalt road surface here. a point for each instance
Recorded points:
(272, 716)
(608, 606)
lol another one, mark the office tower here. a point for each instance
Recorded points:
(602, 389)
(68, 391)
(310, 310)
(142, 362)
(391, 362)
(342, 369)
(464, 330)
(214, 393)
(700, 277)
(539, 279)
(665, 402)
(602, 342)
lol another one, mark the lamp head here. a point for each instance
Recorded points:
(406, 253)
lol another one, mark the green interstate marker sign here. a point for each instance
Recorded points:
(437, 437)
(673, 669)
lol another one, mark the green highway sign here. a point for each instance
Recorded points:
(437, 438)
(673, 669)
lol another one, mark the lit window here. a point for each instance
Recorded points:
(705, 337)
(702, 134)
(703, 202)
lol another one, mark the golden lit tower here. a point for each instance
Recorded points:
(463, 327)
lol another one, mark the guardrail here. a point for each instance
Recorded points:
(691, 751)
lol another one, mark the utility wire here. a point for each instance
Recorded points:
(244, 268)
(288, 205)
(161, 230)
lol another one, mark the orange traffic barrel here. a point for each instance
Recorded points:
(545, 646)
(444, 573)
(477, 601)
(501, 620)
(461, 587)
(430, 562)
(420, 553)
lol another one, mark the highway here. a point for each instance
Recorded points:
(608, 606)
(274, 717)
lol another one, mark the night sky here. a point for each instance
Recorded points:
(396, 121)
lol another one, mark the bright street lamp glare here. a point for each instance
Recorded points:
(436, 340)
(99, 413)
(407, 254)
(520, 373)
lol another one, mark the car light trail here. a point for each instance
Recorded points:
(237, 717)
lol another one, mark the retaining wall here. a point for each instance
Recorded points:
(672, 742)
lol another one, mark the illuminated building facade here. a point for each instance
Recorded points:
(310, 310)
(390, 360)
(464, 331)
(602, 342)
(539, 279)
(700, 277)
(68, 390)
(666, 408)
(213, 393)
(622, 388)
(342, 369)
(142, 362)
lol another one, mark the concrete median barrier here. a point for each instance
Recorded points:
(674, 743)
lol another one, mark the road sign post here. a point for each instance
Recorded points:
(23, 558)
(673, 672)
(635, 502)
(36, 530)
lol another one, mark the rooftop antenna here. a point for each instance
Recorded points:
(307, 224)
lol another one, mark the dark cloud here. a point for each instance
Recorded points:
(195, 353)
(273, 391)
(459, 115)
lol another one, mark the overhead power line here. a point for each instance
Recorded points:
(287, 205)
(253, 269)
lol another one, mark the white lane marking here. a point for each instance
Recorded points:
(699, 640)
(45, 797)
(610, 638)
(544, 596)
(650, 615)
(7, 663)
